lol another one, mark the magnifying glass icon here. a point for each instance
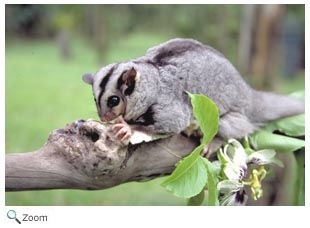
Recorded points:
(12, 215)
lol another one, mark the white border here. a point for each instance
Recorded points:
(158, 216)
(2, 112)
(307, 93)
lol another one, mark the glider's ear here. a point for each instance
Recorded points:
(127, 81)
(88, 78)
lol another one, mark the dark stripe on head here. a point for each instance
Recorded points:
(103, 84)
(151, 63)
(145, 61)
(120, 80)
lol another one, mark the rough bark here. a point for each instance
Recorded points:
(86, 155)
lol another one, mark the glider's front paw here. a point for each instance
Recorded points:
(123, 130)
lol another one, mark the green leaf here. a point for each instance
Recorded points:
(212, 183)
(197, 200)
(291, 126)
(299, 180)
(189, 177)
(206, 113)
(267, 140)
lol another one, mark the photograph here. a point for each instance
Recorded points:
(154, 105)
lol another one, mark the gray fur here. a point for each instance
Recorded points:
(179, 65)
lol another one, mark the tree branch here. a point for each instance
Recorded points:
(86, 155)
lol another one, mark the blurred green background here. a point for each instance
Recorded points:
(49, 48)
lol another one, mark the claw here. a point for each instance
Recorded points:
(126, 136)
(119, 133)
(117, 126)
(123, 129)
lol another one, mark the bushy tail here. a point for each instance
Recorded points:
(270, 106)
